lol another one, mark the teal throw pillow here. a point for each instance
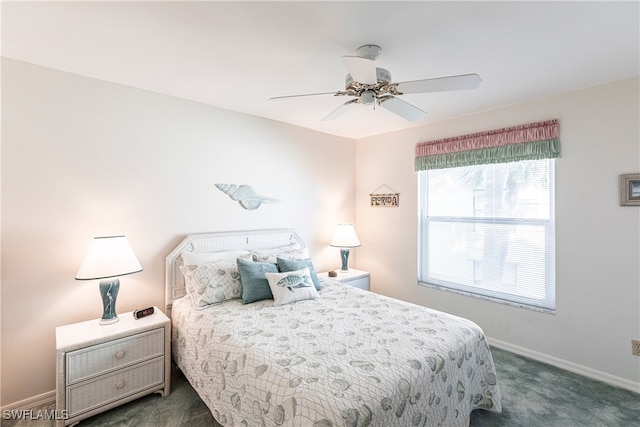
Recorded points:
(255, 286)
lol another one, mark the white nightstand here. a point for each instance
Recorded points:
(101, 367)
(356, 278)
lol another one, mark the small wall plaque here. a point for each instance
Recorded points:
(389, 199)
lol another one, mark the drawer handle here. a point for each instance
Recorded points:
(119, 385)
(120, 354)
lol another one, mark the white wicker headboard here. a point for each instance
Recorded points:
(219, 242)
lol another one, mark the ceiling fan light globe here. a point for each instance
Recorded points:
(367, 97)
(384, 76)
(348, 80)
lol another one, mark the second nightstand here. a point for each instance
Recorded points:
(356, 278)
(100, 367)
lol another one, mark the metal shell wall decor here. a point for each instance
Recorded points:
(245, 195)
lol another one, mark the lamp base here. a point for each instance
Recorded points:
(344, 256)
(109, 292)
(109, 321)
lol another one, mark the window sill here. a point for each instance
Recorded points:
(488, 298)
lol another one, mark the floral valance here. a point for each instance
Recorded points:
(525, 142)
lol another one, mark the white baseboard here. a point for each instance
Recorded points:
(32, 402)
(567, 366)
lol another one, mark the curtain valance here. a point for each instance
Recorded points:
(525, 142)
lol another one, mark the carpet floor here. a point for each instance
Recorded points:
(534, 395)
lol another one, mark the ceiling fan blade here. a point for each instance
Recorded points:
(440, 84)
(362, 70)
(338, 112)
(403, 109)
(307, 94)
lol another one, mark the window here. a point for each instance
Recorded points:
(488, 230)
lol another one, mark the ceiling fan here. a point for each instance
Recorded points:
(371, 85)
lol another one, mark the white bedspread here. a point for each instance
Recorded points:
(351, 358)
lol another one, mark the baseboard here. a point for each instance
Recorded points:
(32, 402)
(567, 366)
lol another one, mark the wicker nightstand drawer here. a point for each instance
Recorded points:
(99, 359)
(88, 395)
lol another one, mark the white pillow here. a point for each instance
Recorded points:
(284, 252)
(212, 283)
(291, 286)
(195, 258)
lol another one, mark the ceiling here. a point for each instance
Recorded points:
(235, 55)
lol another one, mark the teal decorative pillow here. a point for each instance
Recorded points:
(212, 282)
(285, 265)
(255, 286)
(291, 286)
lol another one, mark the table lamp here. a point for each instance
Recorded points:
(344, 238)
(107, 259)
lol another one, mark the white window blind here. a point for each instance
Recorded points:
(489, 230)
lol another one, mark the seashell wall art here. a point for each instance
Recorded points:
(245, 195)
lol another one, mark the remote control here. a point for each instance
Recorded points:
(139, 314)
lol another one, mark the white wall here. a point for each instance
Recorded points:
(598, 242)
(82, 157)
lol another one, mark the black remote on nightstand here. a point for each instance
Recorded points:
(139, 314)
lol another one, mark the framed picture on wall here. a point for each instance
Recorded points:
(630, 189)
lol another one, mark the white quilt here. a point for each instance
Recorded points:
(348, 358)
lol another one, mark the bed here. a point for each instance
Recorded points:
(341, 357)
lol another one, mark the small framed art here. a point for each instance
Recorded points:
(630, 189)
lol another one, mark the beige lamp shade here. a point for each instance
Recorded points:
(345, 237)
(109, 256)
